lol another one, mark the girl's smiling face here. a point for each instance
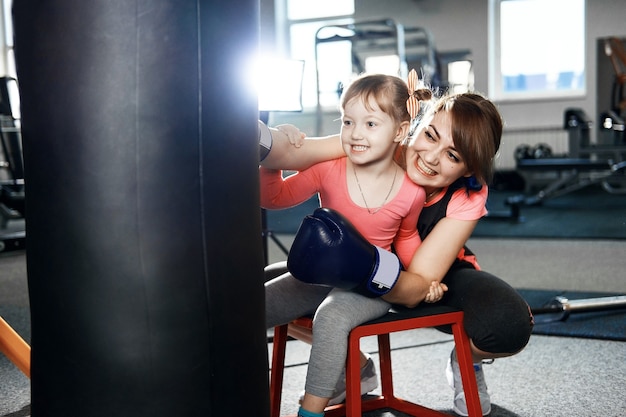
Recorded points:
(368, 134)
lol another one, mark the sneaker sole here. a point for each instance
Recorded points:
(367, 385)
(465, 414)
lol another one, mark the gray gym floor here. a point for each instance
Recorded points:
(552, 377)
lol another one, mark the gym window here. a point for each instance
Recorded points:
(303, 19)
(537, 49)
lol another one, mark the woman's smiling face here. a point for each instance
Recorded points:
(431, 158)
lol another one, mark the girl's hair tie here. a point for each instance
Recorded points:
(417, 95)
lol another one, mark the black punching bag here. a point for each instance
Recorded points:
(144, 250)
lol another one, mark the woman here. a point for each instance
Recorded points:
(452, 156)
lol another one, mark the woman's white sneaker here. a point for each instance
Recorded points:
(453, 374)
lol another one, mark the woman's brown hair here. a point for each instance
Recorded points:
(476, 131)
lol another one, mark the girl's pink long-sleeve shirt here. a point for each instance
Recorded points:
(394, 224)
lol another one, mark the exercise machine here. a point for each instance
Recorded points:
(372, 41)
(585, 164)
(614, 49)
(12, 206)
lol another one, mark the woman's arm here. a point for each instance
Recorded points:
(431, 261)
(287, 156)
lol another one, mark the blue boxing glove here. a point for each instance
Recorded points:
(329, 251)
(265, 140)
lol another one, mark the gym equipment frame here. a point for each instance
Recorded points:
(12, 183)
(586, 164)
(414, 47)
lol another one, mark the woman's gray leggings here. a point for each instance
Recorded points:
(335, 313)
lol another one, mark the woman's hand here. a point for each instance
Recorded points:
(292, 150)
(435, 292)
(295, 136)
(431, 261)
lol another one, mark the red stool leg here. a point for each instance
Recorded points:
(278, 369)
(386, 375)
(466, 365)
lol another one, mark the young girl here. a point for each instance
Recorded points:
(375, 194)
(366, 186)
(452, 157)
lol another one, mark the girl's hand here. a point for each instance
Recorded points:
(295, 136)
(435, 292)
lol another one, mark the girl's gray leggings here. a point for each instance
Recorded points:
(335, 313)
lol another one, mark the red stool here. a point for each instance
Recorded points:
(394, 321)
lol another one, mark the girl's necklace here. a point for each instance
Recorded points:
(393, 182)
(432, 194)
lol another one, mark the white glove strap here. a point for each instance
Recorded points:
(265, 140)
(388, 269)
